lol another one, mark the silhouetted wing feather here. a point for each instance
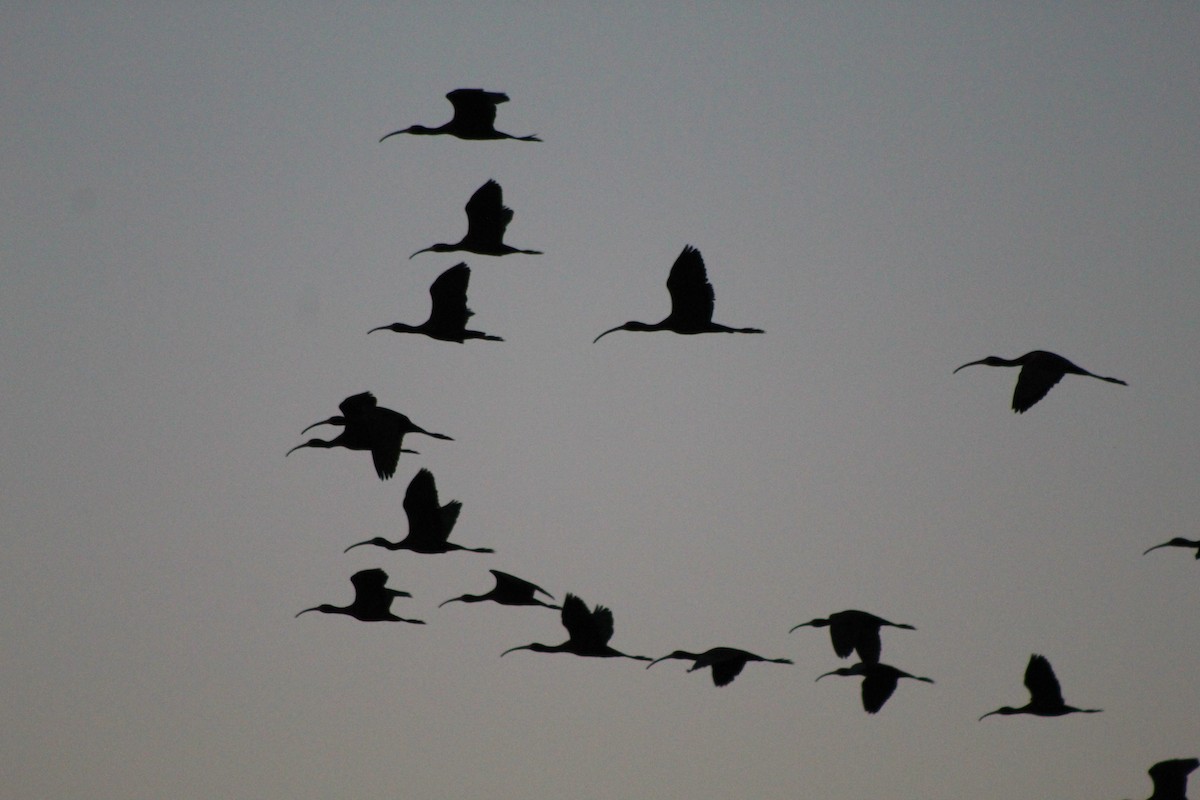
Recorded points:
(602, 625)
(692, 295)
(1170, 778)
(487, 218)
(575, 616)
(357, 405)
(475, 109)
(385, 436)
(1033, 382)
(421, 507)
(448, 515)
(844, 635)
(868, 644)
(449, 298)
(1041, 682)
(503, 579)
(369, 580)
(725, 671)
(877, 687)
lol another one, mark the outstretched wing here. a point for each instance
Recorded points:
(844, 633)
(1170, 777)
(475, 109)
(877, 687)
(726, 670)
(692, 295)
(1033, 382)
(513, 583)
(1041, 682)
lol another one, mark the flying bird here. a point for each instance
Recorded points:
(448, 312)
(372, 600)
(487, 220)
(726, 662)
(474, 118)
(692, 301)
(368, 426)
(1045, 695)
(852, 630)
(879, 681)
(588, 633)
(1170, 778)
(1040, 370)
(429, 524)
(1178, 542)
(508, 591)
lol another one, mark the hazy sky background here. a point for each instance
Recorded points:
(200, 225)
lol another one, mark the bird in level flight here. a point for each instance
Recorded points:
(487, 220)
(1040, 370)
(879, 681)
(372, 599)
(588, 633)
(852, 630)
(726, 662)
(1170, 778)
(429, 524)
(368, 426)
(692, 301)
(1045, 695)
(508, 591)
(448, 312)
(474, 118)
(1178, 542)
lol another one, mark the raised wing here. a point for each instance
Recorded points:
(358, 405)
(1041, 682)
(1170, 778)
(692, 295)
(422, 509)
(487, 218)
(448, 294)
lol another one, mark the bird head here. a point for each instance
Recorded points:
(536, 647)
(378, 541)
(814, 623)
(440, 247)
(681, 654)
(331, 421)
(324, 608)
(632, 325)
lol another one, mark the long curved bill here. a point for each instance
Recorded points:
(970, 364)
(607, 332)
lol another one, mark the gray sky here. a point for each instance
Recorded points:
(200, 226)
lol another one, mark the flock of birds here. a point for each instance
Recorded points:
(368, 426)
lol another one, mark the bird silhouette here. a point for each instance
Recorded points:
(372, 600)
(852, 630)
(448, 312)
(368, 426)
(692, 301)
(474, 118)
(588, 633)
(487, 220)
(508, 591)
(1040, 370)
(1177, 542)
(1170, 778)
(726, 662)
(1045, 695)
(429, 524)
(879, 681)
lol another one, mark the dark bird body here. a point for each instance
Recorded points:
(429, 524)
(474, 118)
(853, 630)
(1040, 370)
(368, 426)
(588, 633)
(879, 681)
(372, 599)
(448, 312)
(1045, 694)
(1177, 542)
(508, 591)
(1170, 778)
(726, 662)
(487, 220)
(692, 301)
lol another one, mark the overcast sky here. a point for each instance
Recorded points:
(200, 225)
